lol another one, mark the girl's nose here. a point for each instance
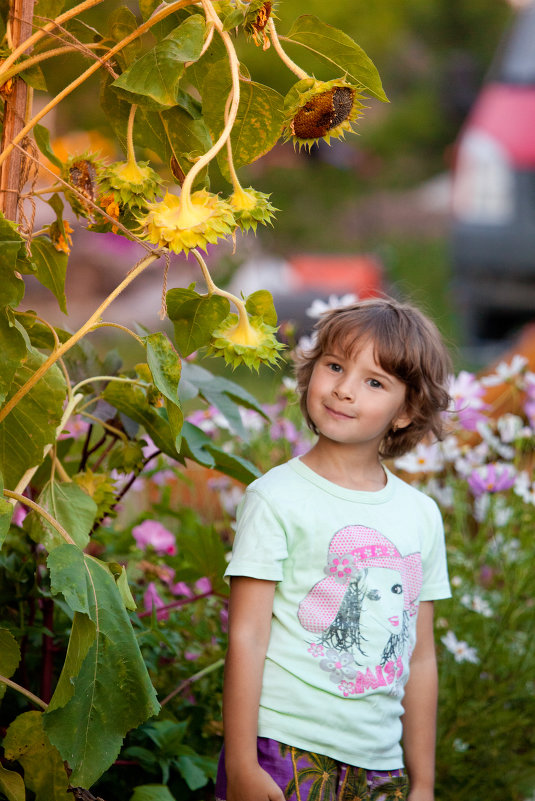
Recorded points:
(343, 390)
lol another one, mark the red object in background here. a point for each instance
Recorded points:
(360, 275)
(507, 113)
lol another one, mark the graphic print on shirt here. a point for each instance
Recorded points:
(361, 611)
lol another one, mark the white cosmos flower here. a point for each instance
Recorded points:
(477, 604)
(505, 371)
(461, 651)
(423, 459)
(319, 307)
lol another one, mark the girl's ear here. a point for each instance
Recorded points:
(403, 421)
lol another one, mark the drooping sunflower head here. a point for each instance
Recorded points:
(246, 340)
(182, 224)
(256, 20)
(251, 207)
(320, 110)
(82, 173)
(131, 185)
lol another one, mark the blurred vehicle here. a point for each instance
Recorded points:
(298, 281)
(493, 201)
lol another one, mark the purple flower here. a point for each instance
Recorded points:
(223, 617)
(181, 588)
(204, 585)
(18, 515)
(284, 429)
(151, 600)
(152, 533)
(493, 477)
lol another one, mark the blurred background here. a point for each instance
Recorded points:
(411, 205)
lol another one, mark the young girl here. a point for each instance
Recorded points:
(335, 567)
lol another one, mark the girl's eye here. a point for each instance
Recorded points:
(373, 595)
(334, 367)
(374, 383)
(397, 589)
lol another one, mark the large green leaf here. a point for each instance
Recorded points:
(9, 657)
(195, 319)
(104, 689)
(71, 507)
(13, 254)
(11, 285)
(121, 23)
(220, 392)
(152, 81)
(132, 401)
(44, 772)
(259, 120)
(48, 8)
(202, 553)
(12, 785)
(32, 424)
(165, 366)
(51, 268)
(197, 72)
(12, 352)
(152, 792)
(340, 51)
(196, 445)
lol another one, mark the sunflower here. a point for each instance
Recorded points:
(245, 340)
(251, 207)
(320, 110)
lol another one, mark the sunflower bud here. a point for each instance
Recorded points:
(245, 340)
(251, 207)
(320, 110)
(183, 224)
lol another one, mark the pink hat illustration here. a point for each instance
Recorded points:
(354, 548)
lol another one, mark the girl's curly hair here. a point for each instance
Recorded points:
(407, 345)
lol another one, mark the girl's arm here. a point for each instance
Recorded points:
(420, 704)
(250, 611)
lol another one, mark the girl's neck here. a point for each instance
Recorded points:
(345, 467)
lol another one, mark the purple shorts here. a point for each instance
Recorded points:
(302, 775)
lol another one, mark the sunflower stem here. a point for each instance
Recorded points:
(295, 68)
(235, 94)
(215, 290)
(131, 155)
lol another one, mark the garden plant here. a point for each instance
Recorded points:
(119, 486)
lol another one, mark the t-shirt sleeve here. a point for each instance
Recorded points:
(434, 566)
(260, 546)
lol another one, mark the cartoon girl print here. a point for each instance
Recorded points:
(361, 609)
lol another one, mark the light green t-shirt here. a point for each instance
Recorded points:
(351, 568)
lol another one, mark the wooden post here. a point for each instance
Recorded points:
(15, 107)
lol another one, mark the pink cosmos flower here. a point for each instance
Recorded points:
(152, 533)
(493, 477)
(466, 393)
(204, 585)
(18, 515)
(151, 600)
(181, 588)
(75, 427)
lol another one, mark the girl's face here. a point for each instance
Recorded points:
(383, 599)
(352, 400)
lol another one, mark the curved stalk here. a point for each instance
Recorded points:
(121, 328)
(115, 431)
(214, 290)
(30, 696)
(284, 57)
(131, 155)
(16, 69)
(234, 71)
(66, 346)
(90, 70)
(39, 509)
(232, 169)
(186, 683)
(39, 34)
